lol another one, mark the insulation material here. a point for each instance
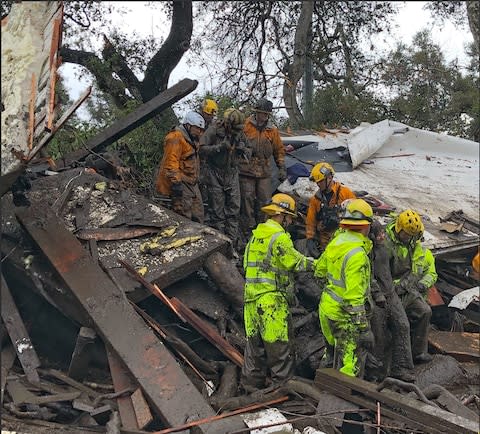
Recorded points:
(266, 417)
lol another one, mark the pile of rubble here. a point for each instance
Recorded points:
(119, 315)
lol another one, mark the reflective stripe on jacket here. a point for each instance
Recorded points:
(400, 255)
(424, 265)
(270, 260)
(264, 143)
(346, 265)
(180, 161)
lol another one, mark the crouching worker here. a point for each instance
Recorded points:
(270, 260)
(346, 266)
(413, 273)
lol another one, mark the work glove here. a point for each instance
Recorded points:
(366, 340)
(177, 189)
(406, 284)
(224, 146)
(242, 149)
(312, 249)
(282, 173)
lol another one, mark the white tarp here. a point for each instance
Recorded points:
(431, 173)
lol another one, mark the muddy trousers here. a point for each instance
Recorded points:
(343, 336)
(419, 314)
(254, 193)
(268, 329)
(224, 200)
(391, 329)
(189, 204)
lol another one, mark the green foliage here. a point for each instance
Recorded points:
(429, 93)
(334, 107)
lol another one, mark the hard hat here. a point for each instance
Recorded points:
(410, 222)
(234, 117)
(194, 118)
(209, 107)
(263, 105)
(320, 171)
(357, 212)
(280, 204)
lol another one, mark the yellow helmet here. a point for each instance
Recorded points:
(357, 212)
(410, 222)
(209, 107)
(280, 204)
(320, 171)
(234, 117)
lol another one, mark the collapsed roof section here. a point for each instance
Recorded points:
(434, 174)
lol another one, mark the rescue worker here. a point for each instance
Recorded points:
(224, 144)
(388, 321)
(256, 174)
(475, 273)
(208, 110)
(411, 278)
(342, 310)
(179, 169)
(270, 260)
(323, 208)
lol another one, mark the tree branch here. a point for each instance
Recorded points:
(101, 70)
(177, 43)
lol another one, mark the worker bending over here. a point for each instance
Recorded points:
(346, 266)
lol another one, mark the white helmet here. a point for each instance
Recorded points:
(194, 118)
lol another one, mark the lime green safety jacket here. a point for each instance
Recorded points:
(346, 265)
(423, 265)
(413, 257)
(270, 260)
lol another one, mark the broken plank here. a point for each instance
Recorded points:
(8, 358)
(122, 380)
(141, 408)
(108, 234)
(208, 332)
(68, 396)
(133, 120)
(70, 381)
(167, 387)
(436, 419)
(18, 334)
(465, 347)
(81, 354)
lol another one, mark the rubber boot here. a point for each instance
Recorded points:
(280, 360)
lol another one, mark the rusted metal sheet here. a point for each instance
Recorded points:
(167, 387)
(18, 334)
(465, 347)
(413, 412)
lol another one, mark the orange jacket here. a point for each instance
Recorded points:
(312, 224)
(180, 161)
(264, 144)
(476, 262)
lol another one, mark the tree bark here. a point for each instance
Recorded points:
(473, 13)
(296, 68)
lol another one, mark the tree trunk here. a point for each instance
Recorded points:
(296, 68)
(473, 13)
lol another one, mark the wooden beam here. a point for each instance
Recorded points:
(133, 120)
(18, 334)
(166, 386)
(412, 411)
